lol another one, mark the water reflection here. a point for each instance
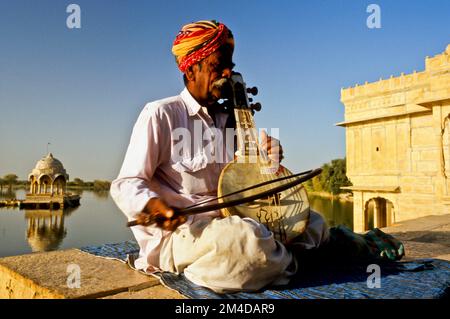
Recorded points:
(335, 211)
(8, 193)
(96, 221)
(45, 228)
(100, 194)
(103, 195)
(77, 191)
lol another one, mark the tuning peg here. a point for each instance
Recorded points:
(250, 99)
(256, 107)
(253, 90)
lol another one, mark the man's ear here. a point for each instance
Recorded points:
(190, 74)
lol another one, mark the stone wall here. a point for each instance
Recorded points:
(397, 142)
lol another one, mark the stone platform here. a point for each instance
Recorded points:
(426, 237)
(45, 275)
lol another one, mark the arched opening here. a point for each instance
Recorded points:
(378, 213)
(368, 214)
(32, 181)
(45, 183)
(59, 185)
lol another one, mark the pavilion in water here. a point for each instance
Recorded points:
(48, 182)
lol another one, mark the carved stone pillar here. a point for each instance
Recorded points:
(359, 219)
(379, 214)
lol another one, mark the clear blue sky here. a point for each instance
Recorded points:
(81, 90)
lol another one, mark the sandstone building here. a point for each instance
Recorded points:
(48, 186)
(48, 177)
(398, 145)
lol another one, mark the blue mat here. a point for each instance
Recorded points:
(425, 278)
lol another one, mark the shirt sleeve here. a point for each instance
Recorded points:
(131, 190)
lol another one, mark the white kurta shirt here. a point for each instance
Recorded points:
(153, 168)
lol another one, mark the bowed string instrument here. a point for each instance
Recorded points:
(252, 185)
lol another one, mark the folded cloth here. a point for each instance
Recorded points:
(385, 246)
(347, 247)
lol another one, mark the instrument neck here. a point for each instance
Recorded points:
(247, 137)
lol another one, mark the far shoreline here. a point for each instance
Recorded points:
(71, 187)
(345, 197)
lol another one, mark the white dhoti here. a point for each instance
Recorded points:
(233, 254)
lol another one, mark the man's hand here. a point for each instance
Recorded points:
(272, 147)
(157, 212)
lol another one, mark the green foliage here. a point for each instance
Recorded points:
(99, 185)
(75, 183)
(78, 182)
(333, 177)
(338, 176)
(10, 179)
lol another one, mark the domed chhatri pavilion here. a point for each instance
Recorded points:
(49, 176)
(48, 185)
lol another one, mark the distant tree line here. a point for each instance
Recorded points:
(9, 180)
(332, 178)
(96, 185)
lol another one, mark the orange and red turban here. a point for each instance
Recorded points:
(198, 40)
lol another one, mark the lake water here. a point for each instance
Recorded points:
(97, 221)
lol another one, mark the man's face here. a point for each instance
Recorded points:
(207, 72)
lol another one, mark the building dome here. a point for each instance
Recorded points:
(50, 166)
(48, 185)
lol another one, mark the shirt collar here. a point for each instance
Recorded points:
(191, 104)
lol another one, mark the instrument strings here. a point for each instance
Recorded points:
(273, 200)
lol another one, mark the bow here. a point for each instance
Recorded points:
(201, 208)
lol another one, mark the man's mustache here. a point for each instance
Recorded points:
(220, 83)
(224, 86)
